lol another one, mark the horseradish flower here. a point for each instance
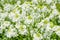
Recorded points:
(53, 6)
(37, 36)
(35, 1)
(14, 16)
(55, 12)
(48, 1)
(58, 33)
(7, 7)
(6, 23)
(11, 32)
(29, 20)
(44, 9)
(21, 28)
(57, 30)
(1, 29)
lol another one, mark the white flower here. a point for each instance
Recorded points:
(35, 15)
(35, 1)
(29, 20)
(40, 24)
(21, 28)
(59, 16)
(37, 36)
(32, 32)
(48, 27)
(18, 2)
(6, 23)
(51, 16)
(58, 33)
(53, 6)
(11, 32)
(55, 12)
(14, 16)
(44, 9)
(3, 15)
(48, 1)
(7, 7)
(11, 15)
(55, 28)
(23, 6)
(1, 29)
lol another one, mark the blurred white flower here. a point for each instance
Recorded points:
(1, 29)
(3, 15)
(58, 33)
(44, 9)
(14, 16)
(21, 28)
(48, 1)
(11, 32)
(7, 7)
(37, 36)
(55, 12)
(29, 20)
(35, 1)
(39, 24)
(55, 28)
(59, 17)
(6, 23)
(18, 2)
(53, 6)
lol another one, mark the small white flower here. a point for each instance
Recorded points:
(48, 1)
(51, 16)
(32, 32)
(37, 36)
(59, 16)
(21, 28)
(7, 7)
(55, 28)
(48, 27)
(40, 24)
(55, 12)
(58, 33)
(23, 6)
(14, 16)
(35, 1)
(29, 20)
(1, 29)
(3, 15)
(53, 6)
(44, 8)
(11, 32)
(35, 15)
(6, 23)
(18, 2)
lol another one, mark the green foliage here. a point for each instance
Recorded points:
(58, 6)
(55, 36)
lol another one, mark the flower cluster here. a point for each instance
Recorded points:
(29, 20)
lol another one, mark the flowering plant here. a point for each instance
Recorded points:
(29, 20)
